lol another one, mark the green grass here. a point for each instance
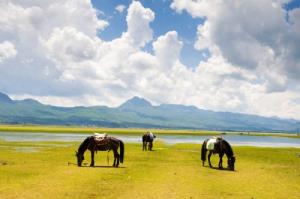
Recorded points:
(171, 171)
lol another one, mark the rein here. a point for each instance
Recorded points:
(71, 163)
(107, 158)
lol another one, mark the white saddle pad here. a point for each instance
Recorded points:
(99, 136)
(210, 145)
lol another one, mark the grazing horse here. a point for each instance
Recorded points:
(148, 139)
(93, 144)
(221, 147)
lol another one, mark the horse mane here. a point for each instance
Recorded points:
(230, 151)
(84, 145)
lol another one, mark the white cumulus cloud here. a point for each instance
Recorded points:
(255, 40)
(138, 19)
(7, 50)
(56, 56)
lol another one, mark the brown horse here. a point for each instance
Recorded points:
(108, 143)
(148, 139)
(221, 147)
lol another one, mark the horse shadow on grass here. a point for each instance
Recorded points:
(101, 166)
(86, 165)
(219, 169)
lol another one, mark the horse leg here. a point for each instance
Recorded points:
(220, 161)
(209, 154)
(116, 158)
(114, 161)
(144, 146)
(92, 158)
(203, 156)
(150, 146)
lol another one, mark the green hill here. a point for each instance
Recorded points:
(137, 113)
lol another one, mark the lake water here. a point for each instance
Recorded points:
(237, 140)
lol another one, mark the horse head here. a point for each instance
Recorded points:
(231, 162)
(80, 158)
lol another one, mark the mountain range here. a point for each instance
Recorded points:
(138, 113)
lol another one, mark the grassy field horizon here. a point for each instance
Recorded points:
(86, 129)
(43, 170)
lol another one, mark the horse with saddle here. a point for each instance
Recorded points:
(101, 142)
(218, 145)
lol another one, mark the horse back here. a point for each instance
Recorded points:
(105, 144)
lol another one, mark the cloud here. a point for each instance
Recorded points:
(7, 50)
(48, 36)
(138, 19)
(68, 44)
(60, 59)
(262, 45)
(258, 42)
(120, 8)
(167, 49)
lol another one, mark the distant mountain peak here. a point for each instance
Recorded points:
(136, 102)
(5, 98)
(30, 101)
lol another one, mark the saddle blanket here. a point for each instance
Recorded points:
(100, 137)
(151, 135)
(210, 145)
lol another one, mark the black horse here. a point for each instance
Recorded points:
(93, 144)
(148, 139)
(221, 147)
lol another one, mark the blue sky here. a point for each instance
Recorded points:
(165, 20)
(290, 6)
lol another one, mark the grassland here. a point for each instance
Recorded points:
(89, 130)
(79, 129)
(41, 170)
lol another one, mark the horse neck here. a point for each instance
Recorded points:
(228, 150)
(84, 145)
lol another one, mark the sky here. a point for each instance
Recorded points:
(231, 55)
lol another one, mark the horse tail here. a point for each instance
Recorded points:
(121, 151)
(203, 152)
